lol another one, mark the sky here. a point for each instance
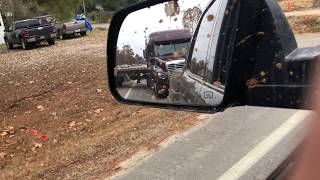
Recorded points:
(140, 24)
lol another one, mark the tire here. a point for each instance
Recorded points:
(8, 45)
(51, 42)
(156, 90)
(119, 81)
(83, 33)
(149, 85)
(25, 45)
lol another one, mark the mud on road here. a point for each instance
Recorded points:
(59, 121)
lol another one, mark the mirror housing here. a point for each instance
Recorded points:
(258, 54)
(114, 30)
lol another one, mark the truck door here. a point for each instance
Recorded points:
(200, 62)
(12, 35)
(2, 28)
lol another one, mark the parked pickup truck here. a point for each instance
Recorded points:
(65, 29)
(29, 32)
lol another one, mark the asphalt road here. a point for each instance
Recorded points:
(241, 143)
(133, 91)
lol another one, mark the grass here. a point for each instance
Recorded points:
(2, 46)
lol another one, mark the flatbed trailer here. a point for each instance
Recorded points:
(131, 72)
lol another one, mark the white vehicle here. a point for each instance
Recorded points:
(2, 28)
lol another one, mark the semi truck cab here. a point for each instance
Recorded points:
(165, 54)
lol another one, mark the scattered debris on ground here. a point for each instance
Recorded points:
(296, 5)
(305, 24)
(58, 119)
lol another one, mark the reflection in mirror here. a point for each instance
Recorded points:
(157, 61)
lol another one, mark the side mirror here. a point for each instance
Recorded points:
(234, 56)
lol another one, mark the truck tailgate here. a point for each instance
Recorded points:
(75, 25)
(41, 31)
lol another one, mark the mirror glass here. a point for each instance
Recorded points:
(166, 54)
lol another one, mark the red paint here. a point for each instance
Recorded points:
(290, 8)
(34, 132)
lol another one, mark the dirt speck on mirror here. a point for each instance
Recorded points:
(217, 84)
(279, 66)
(252, 83)
(262, 73)
(264, 80)
(210, 17)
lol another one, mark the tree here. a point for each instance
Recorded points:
(113, 5)
(191, 17)
(126, 56)
(13, 10)
(61, 9)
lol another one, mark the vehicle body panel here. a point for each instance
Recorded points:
(74, 27)
(2, 29)
(190, 88)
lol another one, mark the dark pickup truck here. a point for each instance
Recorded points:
(29, 32)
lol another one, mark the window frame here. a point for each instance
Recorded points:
(193, 43)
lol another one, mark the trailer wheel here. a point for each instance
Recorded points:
(156, 90)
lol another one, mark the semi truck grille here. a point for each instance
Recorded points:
(174, 68)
